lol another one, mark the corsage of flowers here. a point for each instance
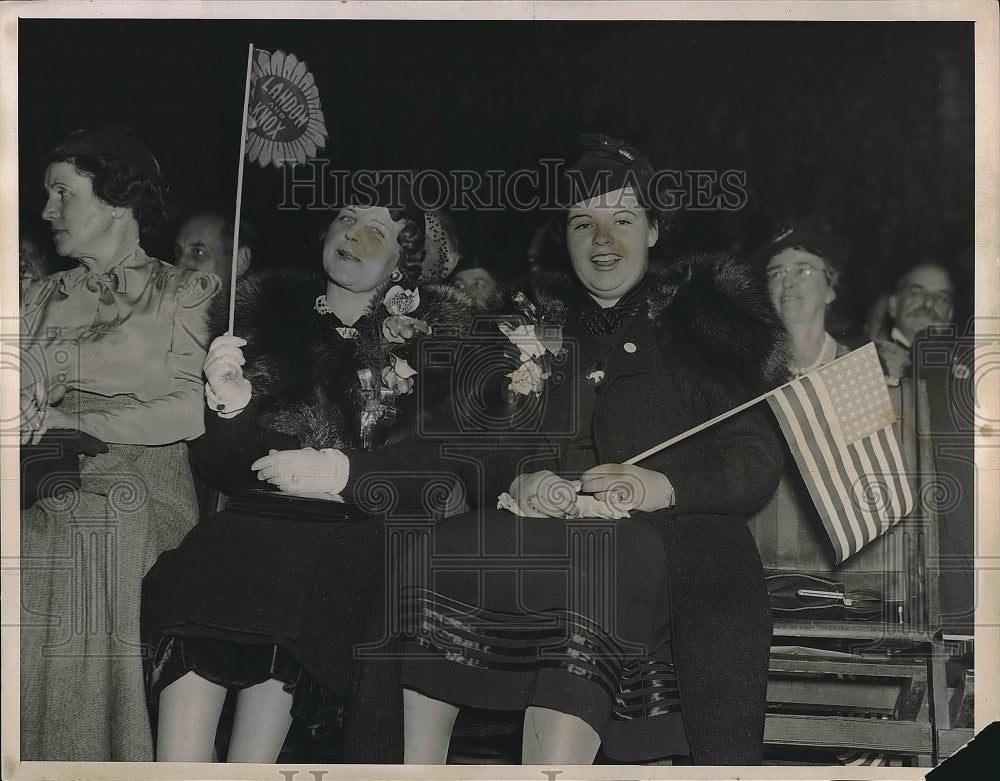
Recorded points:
(537, 344)
(398, 328)
(395, 377)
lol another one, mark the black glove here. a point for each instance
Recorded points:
(52, 465)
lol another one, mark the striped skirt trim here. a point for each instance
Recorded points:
(639, 686)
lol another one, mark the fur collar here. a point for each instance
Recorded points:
(713, 321)
(305, 373)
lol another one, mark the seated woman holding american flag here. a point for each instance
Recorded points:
(620, 606)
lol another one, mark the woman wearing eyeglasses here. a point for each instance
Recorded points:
(803, 265)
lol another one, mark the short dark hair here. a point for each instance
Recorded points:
(122, 171)
(904, 277)
(248, 233)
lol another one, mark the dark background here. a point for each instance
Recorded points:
(869, 124)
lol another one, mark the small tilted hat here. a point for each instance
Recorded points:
(606, 165)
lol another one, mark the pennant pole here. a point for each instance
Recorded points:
(701, 427)
(239, 191)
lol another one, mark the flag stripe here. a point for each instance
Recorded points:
(866, 455)
(835, 422)
(798, 443)
(880, 443)
(842, 473)
(863, 460)
(877, 444)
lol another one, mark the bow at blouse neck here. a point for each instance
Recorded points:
(105, 293)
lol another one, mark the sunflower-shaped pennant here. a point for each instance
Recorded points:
(285, 119)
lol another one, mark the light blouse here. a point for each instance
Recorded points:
(831, 350)
(138, 330)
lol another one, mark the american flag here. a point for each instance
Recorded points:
(838, 422)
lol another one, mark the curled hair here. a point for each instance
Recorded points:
(118, 183)
(401, 207)
(411, 242)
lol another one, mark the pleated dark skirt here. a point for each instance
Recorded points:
(247, 598)
(502, 612)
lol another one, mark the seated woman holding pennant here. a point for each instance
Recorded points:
(622, 607)
(322, 396)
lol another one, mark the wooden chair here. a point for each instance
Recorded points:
(865, 685)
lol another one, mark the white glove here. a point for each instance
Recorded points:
(544, 495)
(228, 392)
(627, 487)
(304, 471)
(586, 507)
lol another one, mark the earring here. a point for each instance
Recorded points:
(396, 275)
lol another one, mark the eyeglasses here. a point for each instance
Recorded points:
(796, 272)
(939, 298)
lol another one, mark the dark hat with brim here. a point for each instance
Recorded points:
(107, 141)
(812, 235)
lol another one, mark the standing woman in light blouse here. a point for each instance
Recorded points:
(111, 352)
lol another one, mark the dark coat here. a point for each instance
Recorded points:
(707, 340)
(256, 569)
(306, 391)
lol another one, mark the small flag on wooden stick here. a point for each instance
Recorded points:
(838, 423)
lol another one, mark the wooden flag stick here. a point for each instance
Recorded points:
(724, 415)
(239, 191)
(700, 427)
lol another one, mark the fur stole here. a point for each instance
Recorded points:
(713, 322)
(304, 371)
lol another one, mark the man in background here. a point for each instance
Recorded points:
(926, 345)
(923, 297)
(205, 243)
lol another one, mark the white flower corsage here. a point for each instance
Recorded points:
(528, 378)
(536, 345)
(596, 376)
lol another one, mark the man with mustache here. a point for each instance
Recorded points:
(923, 297)
(924, 301)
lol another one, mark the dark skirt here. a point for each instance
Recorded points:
(502, 612)
(245, 598)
